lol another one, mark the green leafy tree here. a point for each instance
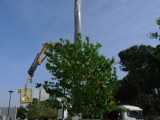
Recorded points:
(143, 67)
(127, 92)
(84, 79)
(155, 97)
(43, 110)
(135, 60)
(21, 113)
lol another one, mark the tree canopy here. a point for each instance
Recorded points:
(83, 78)
(43, 110)
(143, 68)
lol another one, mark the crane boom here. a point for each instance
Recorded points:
(26, 93)
(34, 66)
(39, 59)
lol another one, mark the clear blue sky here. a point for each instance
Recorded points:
(26, 24)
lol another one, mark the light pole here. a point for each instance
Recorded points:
(8, 116)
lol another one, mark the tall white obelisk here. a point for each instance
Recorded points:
(77, 19)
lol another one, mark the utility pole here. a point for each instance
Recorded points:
(77, 19)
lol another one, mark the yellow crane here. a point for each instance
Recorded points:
(26, 93)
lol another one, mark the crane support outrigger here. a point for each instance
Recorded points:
(26, 93)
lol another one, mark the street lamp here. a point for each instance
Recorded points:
(8, 116)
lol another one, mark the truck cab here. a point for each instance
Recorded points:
(128, 112)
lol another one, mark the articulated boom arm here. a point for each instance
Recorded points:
(26, 94)
(39, 59)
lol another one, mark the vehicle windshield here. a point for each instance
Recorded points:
(135, 114)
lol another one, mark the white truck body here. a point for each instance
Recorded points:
(123, 112)
(128, 112)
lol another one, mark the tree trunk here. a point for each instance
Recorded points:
(139, 92)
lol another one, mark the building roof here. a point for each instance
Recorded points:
(12, 112)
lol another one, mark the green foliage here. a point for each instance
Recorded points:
(42, 110)
(21, 113)
(158, 21)
(156, 35)
(142, 64)
(83, 78)
(138, 62)
(143, 68)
